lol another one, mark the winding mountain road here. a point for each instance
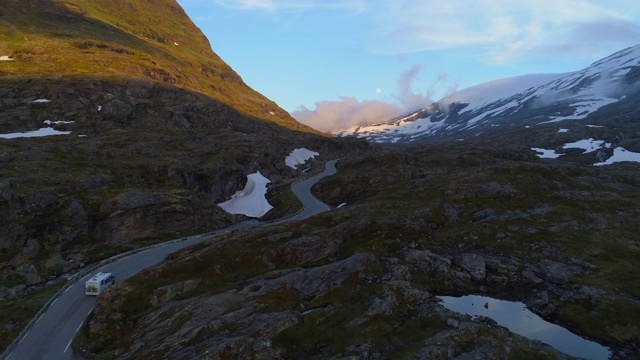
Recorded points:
(51, 336)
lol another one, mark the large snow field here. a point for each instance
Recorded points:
(588, 145)
(620, 155)
(251, 200)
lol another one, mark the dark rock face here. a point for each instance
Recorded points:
(226, 322)
(143, 160)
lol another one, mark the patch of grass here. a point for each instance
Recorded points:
(287, 299)
(286, 204)
(81, 341)
(610, 319)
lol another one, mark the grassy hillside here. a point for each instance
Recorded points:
(152, 39)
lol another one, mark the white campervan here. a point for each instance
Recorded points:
(99, 282)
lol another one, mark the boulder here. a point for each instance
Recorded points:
(169, 292)
(530, 278)
(539, 304)
(428, 261)
(558, 272)
(473, 263)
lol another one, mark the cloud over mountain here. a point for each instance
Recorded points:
(348, 111)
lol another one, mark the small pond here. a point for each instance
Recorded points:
(518, 319)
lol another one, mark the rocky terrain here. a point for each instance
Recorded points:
(142, 161)
(154, 129)
(362, 281)
(608, 86)
(149, 137)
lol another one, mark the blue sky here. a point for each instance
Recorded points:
(338, 63)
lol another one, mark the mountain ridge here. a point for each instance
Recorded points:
(515, 102)
(154, 40)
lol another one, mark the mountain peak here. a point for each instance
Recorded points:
(517, 102)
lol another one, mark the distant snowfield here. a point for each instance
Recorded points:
(251, 200)
(590, 145)
(483, 94)
(36, 133)
(5, 58)
(41, 101)
(578, 94)
(298, 157)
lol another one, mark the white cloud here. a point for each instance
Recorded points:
(345, 113)
(273, 5)
(348, 111)
(505, 30)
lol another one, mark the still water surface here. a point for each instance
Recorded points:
(518, 319)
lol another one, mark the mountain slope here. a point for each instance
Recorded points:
(153, 130)
(152, 39)
(513, 103)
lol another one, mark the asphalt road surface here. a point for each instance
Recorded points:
(50, 338)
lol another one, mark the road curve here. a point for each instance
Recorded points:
(50, 338)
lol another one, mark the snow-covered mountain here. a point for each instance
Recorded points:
(516, 102)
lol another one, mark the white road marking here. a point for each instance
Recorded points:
(67, 348)
(25, 335)
(78, 329)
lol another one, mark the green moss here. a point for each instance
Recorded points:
(124, 40)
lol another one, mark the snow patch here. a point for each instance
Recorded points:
(619, 155)
(582, 109)
(588, 145)
(49, 122)
(546, 154)
(251, 200)
(36, 133)
(5, 58)
(41, 101)
(483, 94)
(563, 130)
(298, 157)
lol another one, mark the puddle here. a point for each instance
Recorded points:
(518, 319)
